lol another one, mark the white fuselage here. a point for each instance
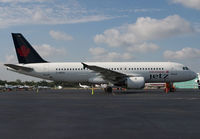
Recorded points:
(74, 71)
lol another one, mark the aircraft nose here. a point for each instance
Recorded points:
(193, 75)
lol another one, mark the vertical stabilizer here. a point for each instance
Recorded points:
(25, 52)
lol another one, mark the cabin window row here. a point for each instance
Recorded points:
(146, 69)
(63, 69)
(137, 69)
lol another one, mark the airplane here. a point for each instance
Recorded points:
(24, 87)
(130, 75)
(10, 87)
(84, 86)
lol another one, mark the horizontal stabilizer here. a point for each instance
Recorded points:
(17, 67)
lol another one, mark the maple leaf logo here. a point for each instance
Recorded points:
(23, 51)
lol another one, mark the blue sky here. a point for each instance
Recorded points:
(93, 30)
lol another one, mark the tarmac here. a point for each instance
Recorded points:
(76, 114)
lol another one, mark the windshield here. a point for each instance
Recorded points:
(185, 68)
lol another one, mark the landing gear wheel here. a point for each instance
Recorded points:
(169, 87)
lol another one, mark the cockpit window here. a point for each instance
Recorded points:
(185, 68)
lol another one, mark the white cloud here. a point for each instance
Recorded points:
(97, 51)
(185, 53)
(11, 59)
(143, 48)
(46, 51)
(57, 35)
(197, 27)
(195, 4)
(144, 29)
(147, 10)
(51, 12)
(110, 37)
(100, 54)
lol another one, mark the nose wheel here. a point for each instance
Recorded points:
(169, 87)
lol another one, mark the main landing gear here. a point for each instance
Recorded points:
(169, 87)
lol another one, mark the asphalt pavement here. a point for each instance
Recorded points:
(76, 114)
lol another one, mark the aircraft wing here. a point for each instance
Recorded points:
(107, 74)
(17, 67)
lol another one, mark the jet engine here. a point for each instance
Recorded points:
(135, 82)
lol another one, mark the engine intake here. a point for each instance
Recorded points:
(135, 82)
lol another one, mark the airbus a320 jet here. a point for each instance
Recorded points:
(130, 75)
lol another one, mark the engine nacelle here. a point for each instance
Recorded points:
(135, 82)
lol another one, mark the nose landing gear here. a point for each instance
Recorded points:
(169, 87)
